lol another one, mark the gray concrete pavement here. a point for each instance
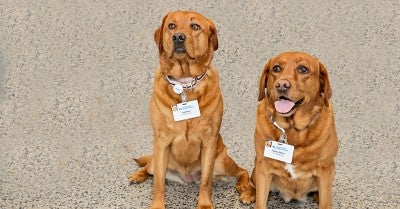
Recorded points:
(76, 78)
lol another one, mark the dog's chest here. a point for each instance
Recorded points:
(186, 150)
(291, 170)
(294, 182)
(296, 172)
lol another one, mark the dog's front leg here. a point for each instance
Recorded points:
(160, 160)
(263, 183)
(208, 152)
(325, 183)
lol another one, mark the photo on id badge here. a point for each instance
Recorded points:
(268, 143)
(174, 108)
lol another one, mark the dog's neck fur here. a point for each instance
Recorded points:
(188, 66)
(185, 67)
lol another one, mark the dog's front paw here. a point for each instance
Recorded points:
(157, 207)
(138, 176)
(156, 204)
(205, 207)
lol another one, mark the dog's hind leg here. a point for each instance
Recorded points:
(143, 173)
(226, 166)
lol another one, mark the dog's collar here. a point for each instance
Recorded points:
(186, 85)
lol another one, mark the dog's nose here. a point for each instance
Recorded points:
(283, 85)
(178, 38)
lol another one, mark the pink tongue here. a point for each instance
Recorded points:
(283, 105)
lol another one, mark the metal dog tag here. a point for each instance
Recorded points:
(178, 88)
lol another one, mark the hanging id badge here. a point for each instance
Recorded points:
(279, 151)
(185, 110)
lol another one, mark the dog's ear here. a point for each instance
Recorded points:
(158, 38)
(158, 35)
(213, 36)
(263, 81)
(325, 88)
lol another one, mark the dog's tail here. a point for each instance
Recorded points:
(143, 161)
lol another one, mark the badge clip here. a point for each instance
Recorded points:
(183, 96)
(178, 89)
(282, 137)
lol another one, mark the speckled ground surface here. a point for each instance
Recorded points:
(76, 78)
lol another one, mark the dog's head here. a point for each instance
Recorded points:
(293, 80)
(186, 35)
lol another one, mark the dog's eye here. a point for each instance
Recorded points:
(171, 26)
(302, 69)
(195, 26)
(277, 69)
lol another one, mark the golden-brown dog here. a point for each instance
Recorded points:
(192, 149)
(294, 92)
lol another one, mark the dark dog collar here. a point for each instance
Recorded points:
(188, 85)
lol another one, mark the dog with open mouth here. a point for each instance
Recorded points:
(186, 112)
(295, 118)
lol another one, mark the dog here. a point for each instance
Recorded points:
(294, 112)
(186, 112)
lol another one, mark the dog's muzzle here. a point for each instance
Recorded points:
(179, 43)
